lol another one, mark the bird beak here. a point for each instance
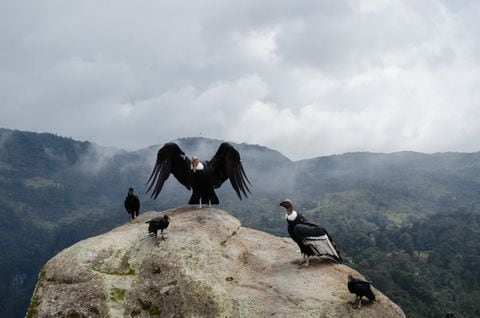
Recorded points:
(285, 204)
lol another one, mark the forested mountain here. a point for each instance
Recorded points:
(410, 221)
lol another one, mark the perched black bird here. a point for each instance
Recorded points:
(200, 177)
(160, 223)
(312, 239)
(360, 288)
(132, 204)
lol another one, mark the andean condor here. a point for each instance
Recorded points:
(159, 223)
(200, 177)
(361, 288)
(311, 238)
(132, 204)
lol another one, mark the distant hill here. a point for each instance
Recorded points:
(55, 191)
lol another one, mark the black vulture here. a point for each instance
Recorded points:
(200, 177)
(159, 223)
(311, 238)
(361, 288)
(132, 204)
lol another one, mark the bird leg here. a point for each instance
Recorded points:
(305, 261)
(355, 300)
(209, 203)
(163, 237)
(359, 302)
(200, 203)
(156, 237)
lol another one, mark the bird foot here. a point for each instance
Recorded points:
(159, 240)
(302, 265)
(359, 305)
(355, 307)
(355, 301)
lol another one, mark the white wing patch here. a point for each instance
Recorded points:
(321, 245)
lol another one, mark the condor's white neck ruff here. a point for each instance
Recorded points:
(292, 216)
(198, 167)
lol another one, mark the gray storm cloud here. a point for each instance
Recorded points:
(305, 78)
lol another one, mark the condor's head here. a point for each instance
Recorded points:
(287, 204)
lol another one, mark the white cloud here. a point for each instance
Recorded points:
(304, 78)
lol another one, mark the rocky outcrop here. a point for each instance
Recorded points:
(209, 266)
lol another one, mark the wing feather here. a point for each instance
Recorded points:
(318, 239)
(363, 288)
(170, 160)
(226, 164)
(304, 230)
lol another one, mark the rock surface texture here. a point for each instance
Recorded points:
(208, 266)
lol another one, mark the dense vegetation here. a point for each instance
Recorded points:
(429, 267)
(408, 221)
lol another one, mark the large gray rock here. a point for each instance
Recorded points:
(209, 266)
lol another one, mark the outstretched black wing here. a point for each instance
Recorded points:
(226, 164)
(318, 240)
(170, 159)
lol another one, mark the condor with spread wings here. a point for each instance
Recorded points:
(200, 177)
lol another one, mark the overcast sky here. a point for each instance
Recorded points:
(307, 78)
